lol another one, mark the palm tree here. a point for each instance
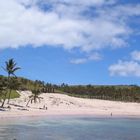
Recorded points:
(10, 68)
(34, 97)
(35, 94)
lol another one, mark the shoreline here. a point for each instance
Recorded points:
(11, 119)
(48, 114)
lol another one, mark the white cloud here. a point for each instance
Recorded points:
(135, 55)
(127, 10)
(20, 26)
(95, 56)
(78, 61)
(125, 68)
(91, 57)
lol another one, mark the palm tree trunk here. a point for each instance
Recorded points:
(9, 88)
(35, 99)
(4, 100)
(6, 92)
(10, 91)
(3, 103)
(28, 102)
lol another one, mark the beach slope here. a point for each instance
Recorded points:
(60, 104)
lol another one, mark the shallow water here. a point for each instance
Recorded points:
(70, 128)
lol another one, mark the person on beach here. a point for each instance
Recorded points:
(45, 107)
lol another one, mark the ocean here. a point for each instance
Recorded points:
(69, 128)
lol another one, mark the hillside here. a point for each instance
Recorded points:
(20, 83)
(125, 93)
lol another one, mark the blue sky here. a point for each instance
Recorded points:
(75, 42)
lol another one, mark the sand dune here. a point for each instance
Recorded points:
(59, 104)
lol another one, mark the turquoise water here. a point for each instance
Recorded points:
(72, 128)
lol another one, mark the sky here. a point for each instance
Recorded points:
(72, 41)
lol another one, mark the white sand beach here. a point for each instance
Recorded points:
(60, 104)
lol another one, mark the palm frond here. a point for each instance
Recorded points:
(15, 69)
(4, 69)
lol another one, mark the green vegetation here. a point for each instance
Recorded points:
(14, 94)
(10, 68)
(116, 93)
(26, 84)
(23, 84)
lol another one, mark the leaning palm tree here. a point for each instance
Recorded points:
(34, 97)
(10, 68)
(35, 94)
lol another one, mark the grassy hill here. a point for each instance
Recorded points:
(14, 94)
